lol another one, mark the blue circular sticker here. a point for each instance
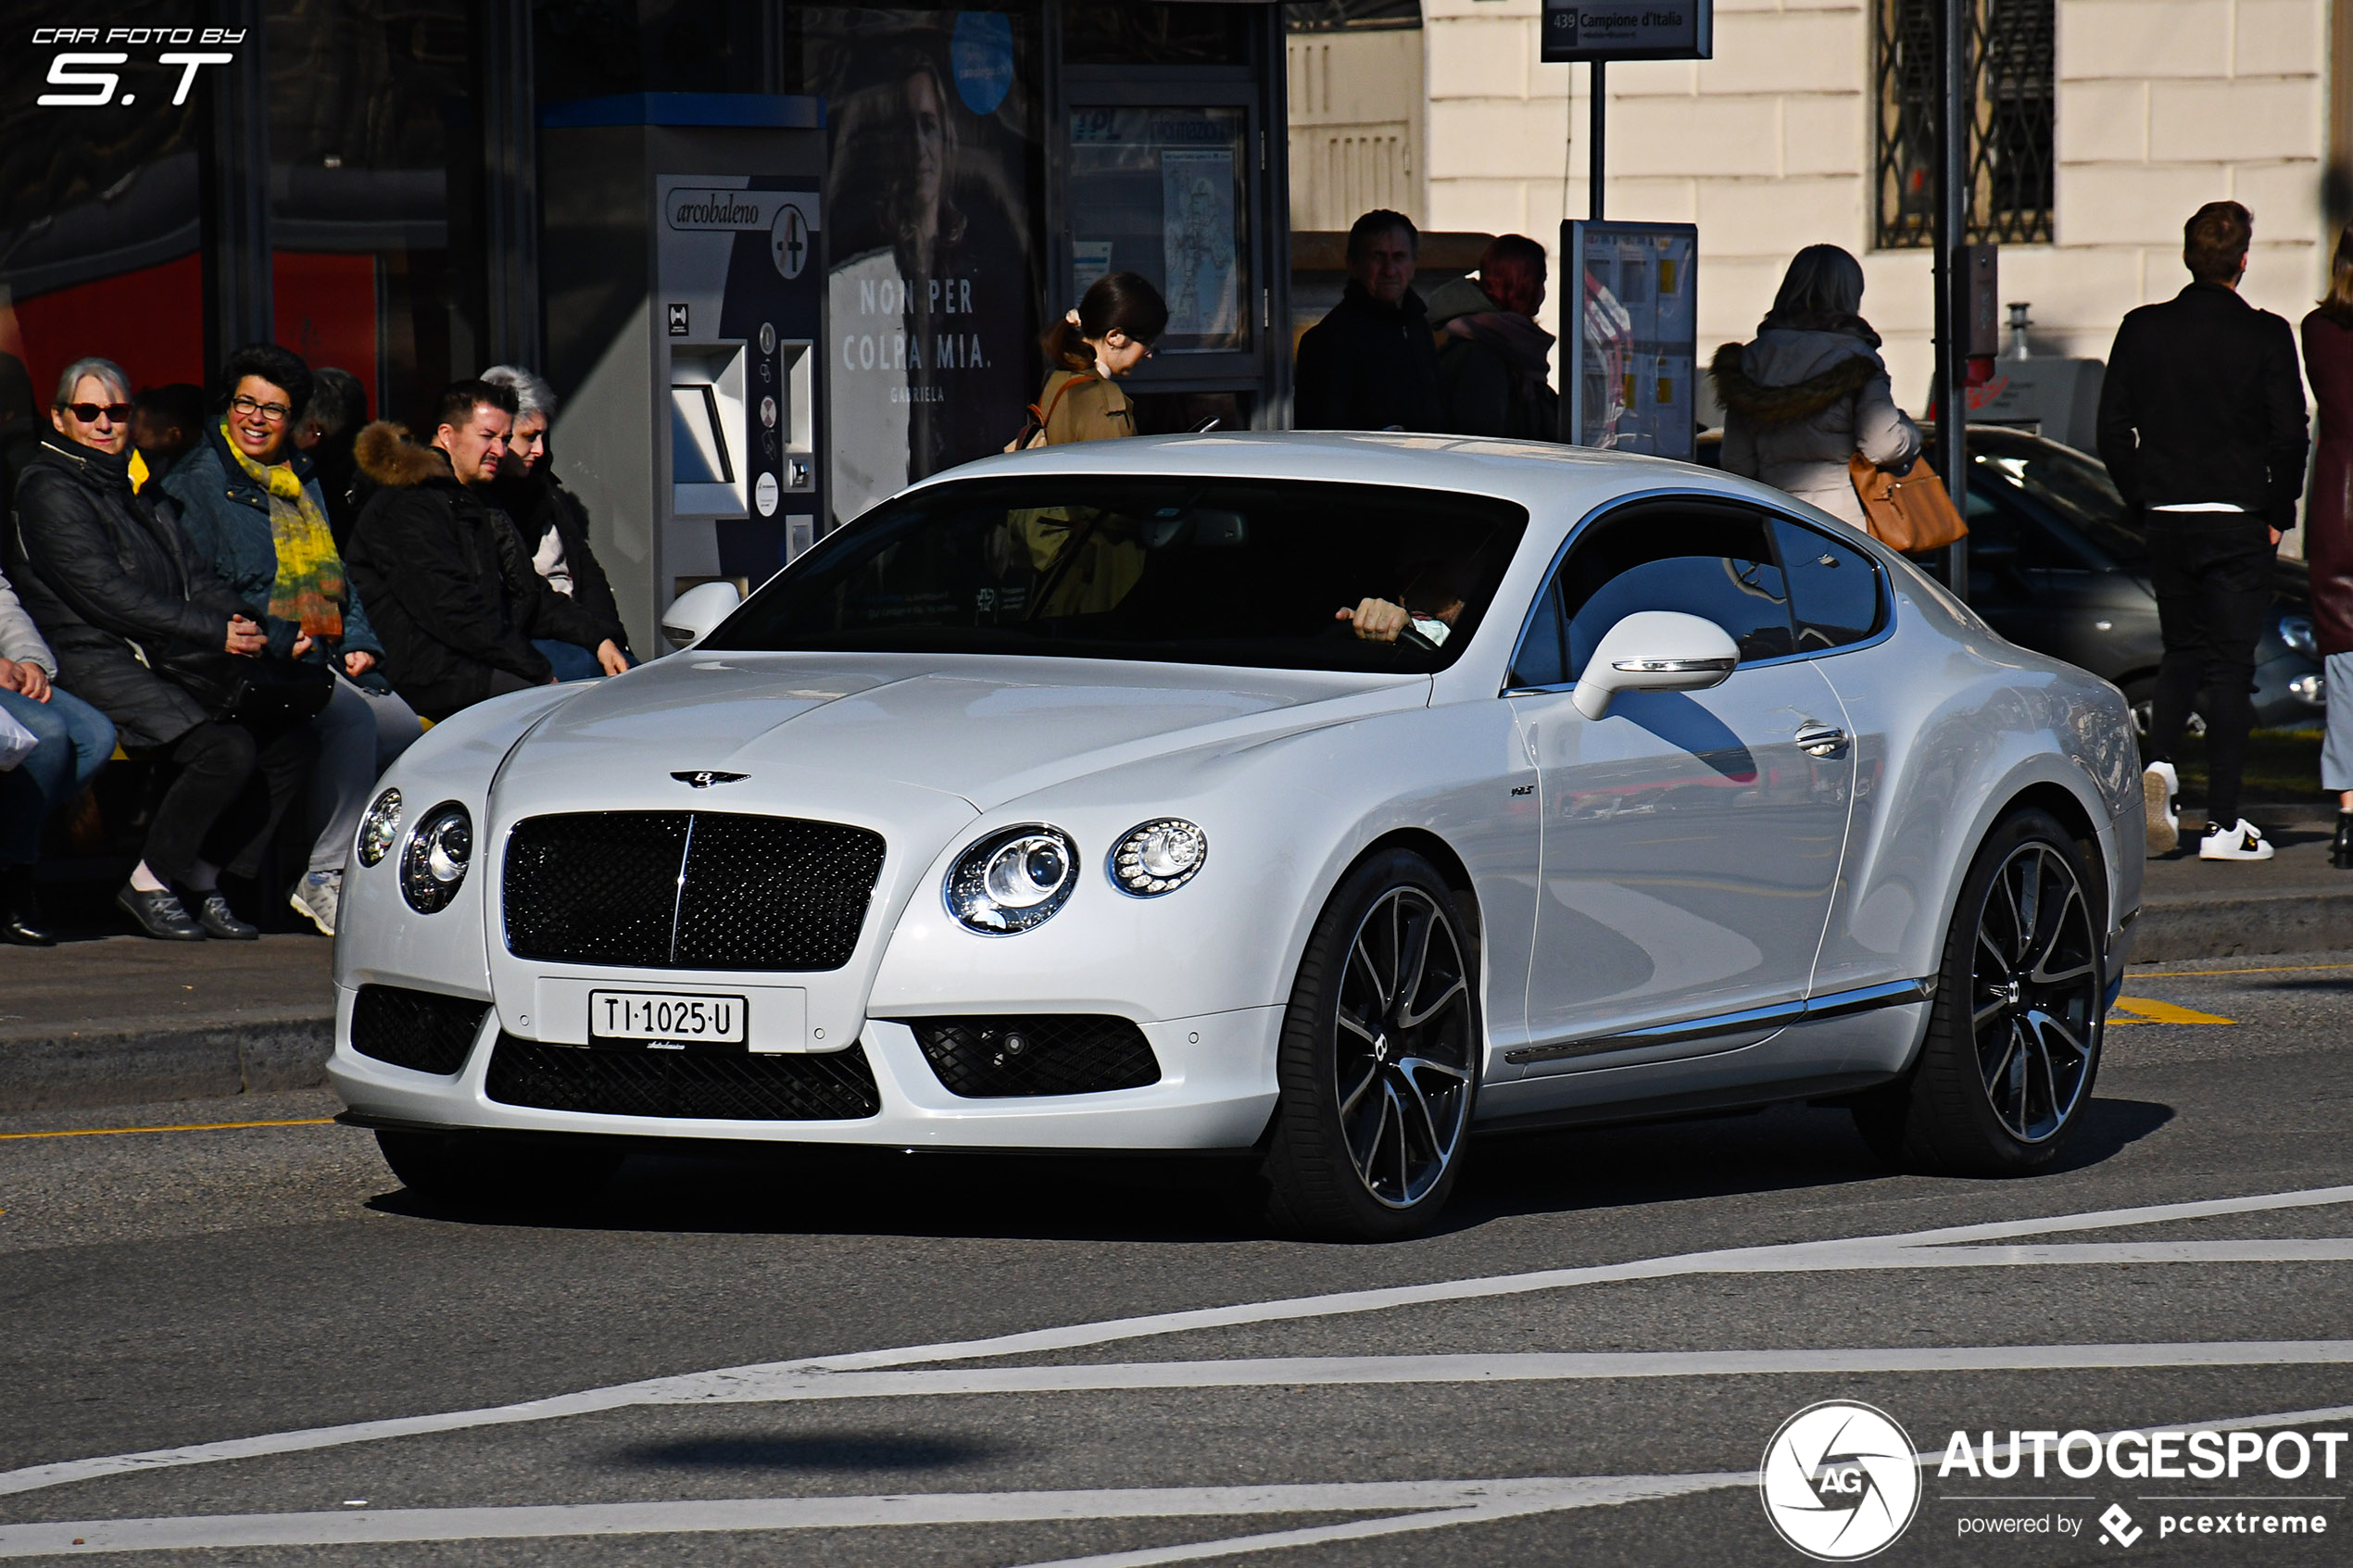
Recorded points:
(983, 55)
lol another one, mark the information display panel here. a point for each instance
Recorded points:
(1628, 336)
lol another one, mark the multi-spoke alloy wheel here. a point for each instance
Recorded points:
(1380, 1060)
(2014, 1033)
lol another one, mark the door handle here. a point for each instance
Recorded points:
(1821, 740)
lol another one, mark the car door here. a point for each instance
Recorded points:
(1690, 841)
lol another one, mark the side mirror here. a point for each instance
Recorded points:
(1654, 650)
(693, 613)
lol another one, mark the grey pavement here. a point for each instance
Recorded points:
(165, 1289)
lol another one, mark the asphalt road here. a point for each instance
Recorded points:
(1585, 1364)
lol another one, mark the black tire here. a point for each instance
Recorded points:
(2015, 1032)
(499, 1171)
(1376, 1074)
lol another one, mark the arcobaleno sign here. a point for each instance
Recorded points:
(1683, 30)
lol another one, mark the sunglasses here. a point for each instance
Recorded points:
(88, 412)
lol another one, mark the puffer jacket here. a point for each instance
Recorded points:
(226, 512)
(1800, 401)
(115, 584)
(452, 595)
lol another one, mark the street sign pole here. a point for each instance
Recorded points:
(1594, 164)
(1951, 233)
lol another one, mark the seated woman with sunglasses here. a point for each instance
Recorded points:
(253, 509)
(120, 593)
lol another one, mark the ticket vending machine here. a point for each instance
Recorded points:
(684, 277)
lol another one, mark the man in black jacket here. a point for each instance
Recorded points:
(446, 584)
(1372, 364)
(2202, 427)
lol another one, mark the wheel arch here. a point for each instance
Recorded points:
(1430, 847)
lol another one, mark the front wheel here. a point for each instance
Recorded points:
(1379, 1058)
(2014, 1034)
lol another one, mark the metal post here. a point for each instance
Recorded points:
(1952, 232)
(1598, 110)
(233, 181)
(510, 183)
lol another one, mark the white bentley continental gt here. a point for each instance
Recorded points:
(1323, 799)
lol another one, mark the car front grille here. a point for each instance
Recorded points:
(689, 890)
(423, 1031)
(1042, 1054)
(786, 1086)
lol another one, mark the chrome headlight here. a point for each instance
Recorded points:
(2296, 630)
(380, 829)
(1012, 880)
(1158, 857)
(434, 864)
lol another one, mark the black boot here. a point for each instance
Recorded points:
(21, 919)
(2341, 852)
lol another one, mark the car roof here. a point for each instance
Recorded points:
(1541, 476)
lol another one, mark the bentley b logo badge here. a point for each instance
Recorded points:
(703, 778)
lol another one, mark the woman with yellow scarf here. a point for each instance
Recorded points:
(250, 504)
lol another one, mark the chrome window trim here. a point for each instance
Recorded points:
(1837, 1004)
(1552, 569)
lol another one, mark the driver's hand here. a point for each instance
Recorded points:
(1377, 621)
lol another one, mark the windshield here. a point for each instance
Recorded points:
(1183, 570)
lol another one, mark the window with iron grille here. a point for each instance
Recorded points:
(2007, 59)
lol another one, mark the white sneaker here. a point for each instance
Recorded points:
(2245, 842)
(317, 896)
(2159, 784)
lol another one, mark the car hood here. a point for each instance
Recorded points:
(984, 729)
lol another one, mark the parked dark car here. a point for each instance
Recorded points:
(2055, 564)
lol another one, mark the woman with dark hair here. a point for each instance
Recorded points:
(121, 596)
(2328, 529)
(1811, 390)
(1111, 332)
(254, 510)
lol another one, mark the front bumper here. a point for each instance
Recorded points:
(1217, 1091)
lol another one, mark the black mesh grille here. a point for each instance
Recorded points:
(1047, 1054)
(831, 1087)
(424, 1031)
(758, 892)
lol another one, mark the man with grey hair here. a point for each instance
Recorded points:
(549, 521)
(1372, 364)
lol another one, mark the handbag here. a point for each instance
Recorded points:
(1033, 433)
(1910, 512)
(261, 693)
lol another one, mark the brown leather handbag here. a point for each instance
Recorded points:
(1909, 512)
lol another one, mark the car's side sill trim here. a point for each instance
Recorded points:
(1837, 1004)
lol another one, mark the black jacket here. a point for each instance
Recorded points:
(534, 501)
(2202, 402)
(1369, 366)
(109, 576)
(451, 593)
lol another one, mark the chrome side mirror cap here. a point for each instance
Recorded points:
(693, 614)
(1654, 650)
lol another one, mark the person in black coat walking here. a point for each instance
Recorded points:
(1372, 363)
(2202, 427)
(452, 593)
(120, 594)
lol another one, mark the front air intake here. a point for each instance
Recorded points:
(1054, 1053)
(424, 1031)
(697, 1086)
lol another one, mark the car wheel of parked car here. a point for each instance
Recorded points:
(492, 1170)
(1380, 1060)
(2014, 1031)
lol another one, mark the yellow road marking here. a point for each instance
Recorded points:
(2146, 1010)
(2196, 974)
(183, 1127)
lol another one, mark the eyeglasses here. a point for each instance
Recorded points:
(274, 412)
(88, 412)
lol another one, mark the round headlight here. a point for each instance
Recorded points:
(1012, 880)
(379, 828)
(2297, 632)
(434, 864)
(1155, 858)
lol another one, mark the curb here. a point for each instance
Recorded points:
(2174, 928)
(134, 1066)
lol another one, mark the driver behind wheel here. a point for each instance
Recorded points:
(1430, 605)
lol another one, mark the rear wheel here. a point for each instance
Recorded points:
(2014, 1034)
(495, 1169)
(1379, 1058)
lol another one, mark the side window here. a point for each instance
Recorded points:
(1833, 588)
(1543, 660)
(1712, 562)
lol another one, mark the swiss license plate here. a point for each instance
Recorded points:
(666, 1017)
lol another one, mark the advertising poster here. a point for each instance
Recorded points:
(1197, 213)
(931, 284)
(1631, 344)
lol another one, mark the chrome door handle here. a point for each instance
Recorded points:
(1821, 740)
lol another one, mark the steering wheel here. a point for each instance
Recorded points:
(1412, 633)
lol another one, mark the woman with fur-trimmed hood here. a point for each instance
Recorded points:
(1812, 389)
